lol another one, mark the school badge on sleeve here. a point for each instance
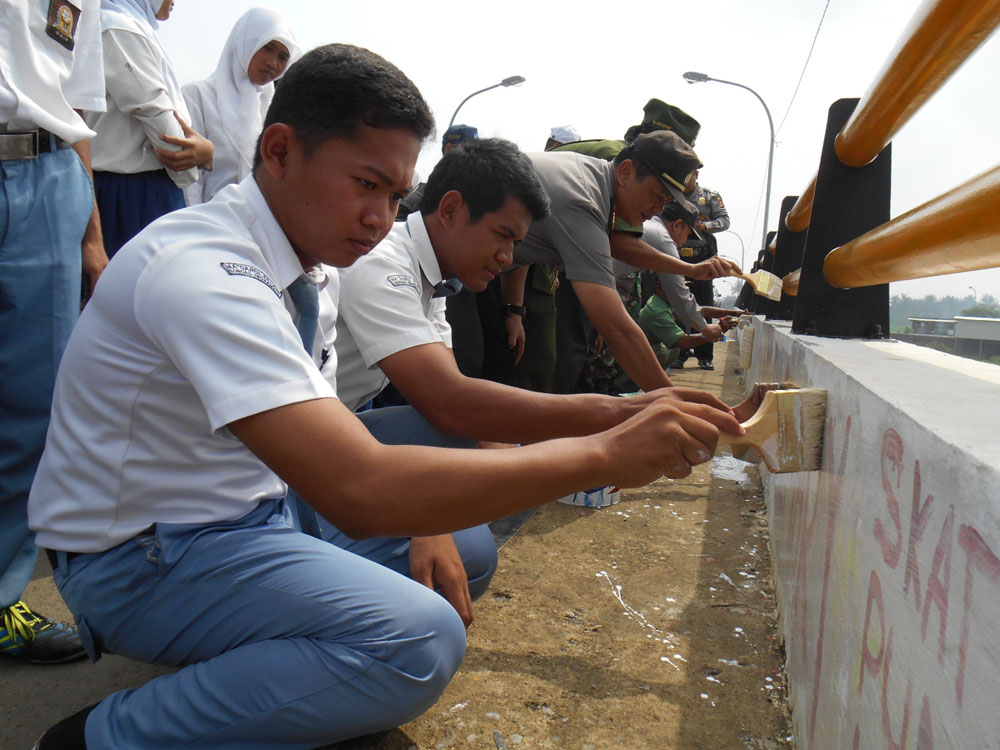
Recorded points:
(64, 17)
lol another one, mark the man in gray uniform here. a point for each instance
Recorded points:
(712, 218)
(587, 194)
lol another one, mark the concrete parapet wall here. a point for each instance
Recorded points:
(887, 562)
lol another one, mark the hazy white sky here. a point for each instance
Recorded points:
(598, 80)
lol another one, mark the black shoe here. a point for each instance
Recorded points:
(677, 364)
(68, 734)
(35, 638)
(706, 364)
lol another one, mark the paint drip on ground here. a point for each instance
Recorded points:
(636, 616)
(727, 467)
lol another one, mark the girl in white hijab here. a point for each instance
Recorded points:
(145, 153)
(229, 106)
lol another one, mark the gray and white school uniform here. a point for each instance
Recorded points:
(387, 304)
(189, 557)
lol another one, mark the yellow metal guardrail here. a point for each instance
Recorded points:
(959, 231)
(942, 35)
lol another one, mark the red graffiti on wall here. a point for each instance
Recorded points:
(875, 664)
(939, 582)
(892, 464)
(918, 522)
(872, 663)
(981, 562)
(978, 557)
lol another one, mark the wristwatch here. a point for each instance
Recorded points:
(514, 310)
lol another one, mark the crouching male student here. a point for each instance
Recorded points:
(161, 493)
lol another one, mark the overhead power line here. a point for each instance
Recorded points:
(804, 66)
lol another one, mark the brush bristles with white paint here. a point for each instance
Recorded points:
(764, 283)
(787, 430)
(746, 348)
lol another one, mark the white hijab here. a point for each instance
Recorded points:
(139, 17)
(241, 103)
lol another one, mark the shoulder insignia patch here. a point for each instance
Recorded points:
(252, 272)
(399, 279)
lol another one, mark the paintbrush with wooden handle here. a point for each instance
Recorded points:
(764, 283)
(787, 430)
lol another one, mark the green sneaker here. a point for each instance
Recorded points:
(37, 639)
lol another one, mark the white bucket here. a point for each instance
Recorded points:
(598, 497)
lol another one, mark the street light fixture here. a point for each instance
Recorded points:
(743, 249)
(512, 81)
(693, 77)
(975, 297)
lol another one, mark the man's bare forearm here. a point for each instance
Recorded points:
(94, 256)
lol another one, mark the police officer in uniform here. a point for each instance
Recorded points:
(713, 218)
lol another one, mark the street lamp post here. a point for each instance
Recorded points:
(975, 297)
(692, 77)
(743, 249)
(512, 81)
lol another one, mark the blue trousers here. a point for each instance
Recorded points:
(403, 425)
(45, 204)
(287, 640)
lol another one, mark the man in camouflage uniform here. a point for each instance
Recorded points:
(713, 218)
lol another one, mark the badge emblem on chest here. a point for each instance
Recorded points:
(64, 17)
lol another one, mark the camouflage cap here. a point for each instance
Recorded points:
(668, 117)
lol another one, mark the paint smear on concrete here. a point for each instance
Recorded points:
(727, 467)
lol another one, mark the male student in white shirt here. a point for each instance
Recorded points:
(171, 534)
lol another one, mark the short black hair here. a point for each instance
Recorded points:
(335, 89)
(486, 171)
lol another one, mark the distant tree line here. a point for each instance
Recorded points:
(903, 307)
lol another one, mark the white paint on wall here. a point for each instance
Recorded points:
(887, 561)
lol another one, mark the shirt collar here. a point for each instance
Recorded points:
(274, 245)
(426, 258)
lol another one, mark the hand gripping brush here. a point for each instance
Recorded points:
(787, 430)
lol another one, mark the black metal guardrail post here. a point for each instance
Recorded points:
(787, 257)
(747, 299)
(849, 202)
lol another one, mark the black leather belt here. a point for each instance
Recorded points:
(28, 144)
